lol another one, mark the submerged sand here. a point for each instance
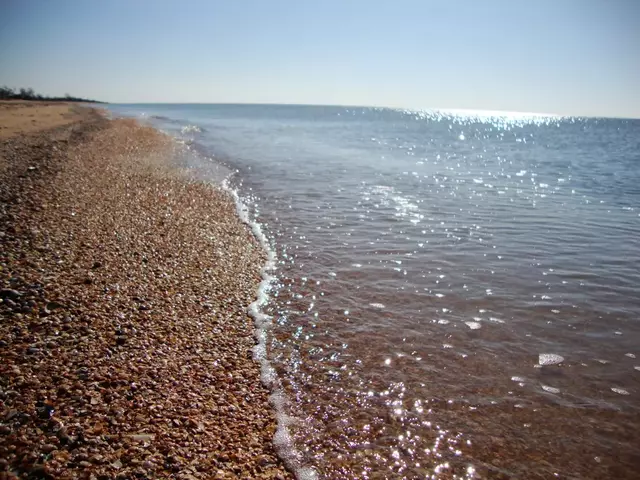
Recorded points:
(125, 345)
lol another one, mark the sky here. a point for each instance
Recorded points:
(572, 57)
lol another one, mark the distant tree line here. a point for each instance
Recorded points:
(7, 93)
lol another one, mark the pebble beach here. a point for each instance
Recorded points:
(125, 346)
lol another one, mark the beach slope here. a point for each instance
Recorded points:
(124, 341)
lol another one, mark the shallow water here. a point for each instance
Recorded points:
(456, 293)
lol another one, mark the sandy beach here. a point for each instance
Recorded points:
(125, 345)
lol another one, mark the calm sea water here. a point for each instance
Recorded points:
(457, 294)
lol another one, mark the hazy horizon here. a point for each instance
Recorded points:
(461, 111)
(574, 58)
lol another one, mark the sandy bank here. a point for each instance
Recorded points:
(19, 117)
(124, 342)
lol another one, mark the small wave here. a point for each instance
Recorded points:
(282, 440)
(156, 120)
(191, 129)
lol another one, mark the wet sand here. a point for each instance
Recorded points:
(125, 345)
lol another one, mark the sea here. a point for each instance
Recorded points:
(449, 294)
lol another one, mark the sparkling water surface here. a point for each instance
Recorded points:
(457, 293)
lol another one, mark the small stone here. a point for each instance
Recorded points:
(49, 308)
(46, 411)
(63, 436)
(8, 293)
(142, 437)
(12, 413)
(10, 303)
(549, 359)
(39, 471)
(48, 448)
(186, 476)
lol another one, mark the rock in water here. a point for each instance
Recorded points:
(549, 359)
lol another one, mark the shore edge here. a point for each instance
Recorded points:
(126, 344)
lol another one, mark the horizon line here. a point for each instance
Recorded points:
(466, 111)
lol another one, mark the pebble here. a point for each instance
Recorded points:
(549, 359)
(8, 293)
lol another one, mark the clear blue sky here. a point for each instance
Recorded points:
(577, 57)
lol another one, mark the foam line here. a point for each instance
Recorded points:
(282, 440)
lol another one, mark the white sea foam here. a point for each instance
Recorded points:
(282, 439)
(191, 129)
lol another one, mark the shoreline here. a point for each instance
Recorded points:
(126, 344)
